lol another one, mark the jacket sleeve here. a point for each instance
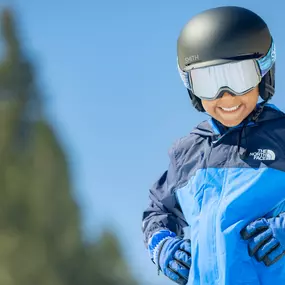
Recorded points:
(163, 218)
(276, 211)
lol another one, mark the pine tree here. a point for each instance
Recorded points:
(40, 238)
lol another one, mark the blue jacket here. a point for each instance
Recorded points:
(216, 189)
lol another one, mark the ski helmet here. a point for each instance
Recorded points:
(222, 35)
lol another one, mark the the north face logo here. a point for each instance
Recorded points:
(263, 154)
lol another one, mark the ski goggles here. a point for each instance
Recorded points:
(236, 77)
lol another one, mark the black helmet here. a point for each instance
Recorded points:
(221, 35)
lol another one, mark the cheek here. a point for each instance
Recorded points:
(250, 101)
(209, 106)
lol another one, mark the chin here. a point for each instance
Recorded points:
(231, 124)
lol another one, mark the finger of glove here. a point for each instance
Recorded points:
(186, 246)
(254, 229)
(174, 276)
(172, 245)
(183, 257)
(167, 251)
(266, 249)
(274, 256)
(179, 269)
(258, 241)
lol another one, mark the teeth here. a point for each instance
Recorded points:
(230, 109)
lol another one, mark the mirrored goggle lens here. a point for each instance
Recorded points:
(237, 77)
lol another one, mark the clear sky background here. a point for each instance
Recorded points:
(113, 93)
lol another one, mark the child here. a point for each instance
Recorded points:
(226, 179)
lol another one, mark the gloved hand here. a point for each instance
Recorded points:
(266, 239)
(174, 259)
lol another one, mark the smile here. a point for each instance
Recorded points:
(230, 109)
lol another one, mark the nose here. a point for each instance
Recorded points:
(227, 98)
(226, 95)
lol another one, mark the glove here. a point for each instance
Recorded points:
(173, 258)
(266, 239)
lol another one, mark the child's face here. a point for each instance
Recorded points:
(230, 118)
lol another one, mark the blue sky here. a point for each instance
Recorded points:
(114, 96)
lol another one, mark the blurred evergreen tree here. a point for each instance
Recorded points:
(40, 239)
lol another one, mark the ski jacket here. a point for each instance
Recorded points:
(216, 184)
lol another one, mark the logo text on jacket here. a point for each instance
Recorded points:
(263, 154)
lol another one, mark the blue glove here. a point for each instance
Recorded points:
(173, 258)
(266, 239)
